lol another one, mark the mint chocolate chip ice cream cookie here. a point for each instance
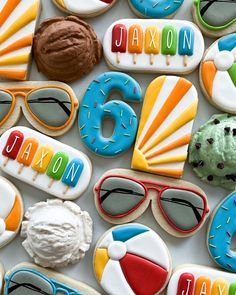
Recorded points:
(212, 152)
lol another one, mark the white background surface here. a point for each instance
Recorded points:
(188, 250)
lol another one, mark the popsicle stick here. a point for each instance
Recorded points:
(66, 189)
(135, 58)
(118, 57)
(168, 60)
(20, 168)
(51, 183)
(151, 59)
(35, 176)
(5, 162)
(185, 60)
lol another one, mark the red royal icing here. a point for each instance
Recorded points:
(143, 276)
(185, 285)
(13, 144)
(119, 38)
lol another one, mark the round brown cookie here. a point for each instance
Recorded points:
(66, 48)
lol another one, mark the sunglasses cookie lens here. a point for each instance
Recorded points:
(119, 195)
(28, 283)
(184, 209)
(5, 104)
(52, 106)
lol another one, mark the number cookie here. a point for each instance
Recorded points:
(123, 195)
(156, 46)
(222, 228)
(215, 18)
(18, 20)
(26, 278)
(84, 8)
(94, 109)
(132, 259)
(11, 212)
(44, 163)
(218, 74)
(165, 128)
(152, 9)
(201, 280)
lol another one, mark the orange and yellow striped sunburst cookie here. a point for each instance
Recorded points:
(165, 128)
(18, 20)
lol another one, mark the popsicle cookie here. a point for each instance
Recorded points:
(153, 46)
(84, 8)
(218, 74)
(155, 9)
(215, 18)
(44, 162)
(18, 19)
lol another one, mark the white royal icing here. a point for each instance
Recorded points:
(85, 6)
(7, 198)
(117, 250)
(2, 226)
(224, 60)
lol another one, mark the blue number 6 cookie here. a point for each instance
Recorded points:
(94, 109)
(222, 228)
(154, 8)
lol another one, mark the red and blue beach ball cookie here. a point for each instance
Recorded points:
(132, 259)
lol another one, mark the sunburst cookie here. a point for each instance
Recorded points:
(212, 151)
(218, 74)
(165, 128)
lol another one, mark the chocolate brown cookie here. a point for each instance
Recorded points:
(66, 48)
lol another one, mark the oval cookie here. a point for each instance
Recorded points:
(84, 8)
(132, 259)
(218, 74)
(153, 46)
(11, 212)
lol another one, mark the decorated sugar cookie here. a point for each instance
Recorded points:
(122, 195)
(1, 277)
(155, 9)
(85, 8)
(215, 18)
(56, 233)
(18, 20)
(193, 279)
(212, 151)
(11, 212)
(95, 108)
(28, 279)
(221, 230)
(218, 74)
(165, 128)
(45, 163)
(132, 259)
(153, 46)
(51, 107)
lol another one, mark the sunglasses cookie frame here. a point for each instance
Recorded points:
(33, 99)
(150, 189)
(47, 279)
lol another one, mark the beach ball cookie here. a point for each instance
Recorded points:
(84, 8)
(215, 18)
(132, 259)
(222, 228)
(218, 74)
(66, 48)
(212, 151)
(155, 9)
(11, 211)
(56, 233)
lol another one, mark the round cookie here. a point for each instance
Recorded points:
(11, 212)
(218, 74)
(67, 237)
(215, 18)
(84, 8)
(222, 228)
(155, 9)
(66, 48)
(212, 151)
(132, 259)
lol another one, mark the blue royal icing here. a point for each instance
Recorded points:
(94, 109)
(73, 172)
(156, 8)
(221, 231)
(227, 43)
(186, 41)
(123, 234)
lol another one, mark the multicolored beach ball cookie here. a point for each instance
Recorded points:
(218, 74)
(132, 259)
